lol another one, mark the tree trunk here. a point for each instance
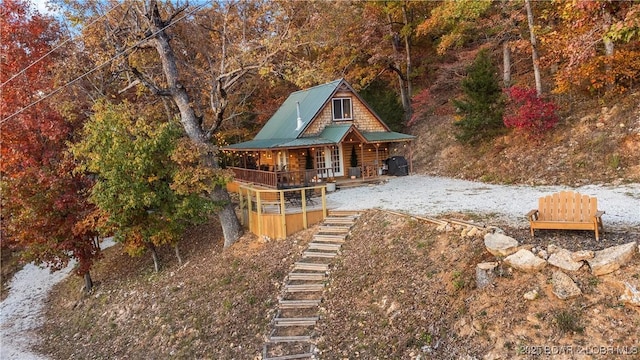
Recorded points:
(231, 227)
(609, 49)
(534, 48)
(403, 80)
(506, 64)
(154, 256)
(408, 111)
(88, 283)
(177, 251)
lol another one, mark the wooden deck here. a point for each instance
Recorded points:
(280, 213)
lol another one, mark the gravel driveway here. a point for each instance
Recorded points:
(433, 196)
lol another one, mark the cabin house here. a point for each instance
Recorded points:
(324, 133)
(317, 138)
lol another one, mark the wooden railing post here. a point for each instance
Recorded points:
(324, 202)
(303, 196)
(283, 216)
(259, 210)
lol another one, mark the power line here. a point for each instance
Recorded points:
(195, 9)
(55, 48)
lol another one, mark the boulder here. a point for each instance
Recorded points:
(525, 260)
(582, 255)
(611, 259)
(563, 286)
(562, 259)
(485, 273)
(500, 245)
(631, 295)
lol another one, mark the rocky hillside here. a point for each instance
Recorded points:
(593, 143)
(402, 289)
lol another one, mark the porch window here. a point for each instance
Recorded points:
(342, 109)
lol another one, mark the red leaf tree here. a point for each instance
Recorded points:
(44, 209)
(528, 112)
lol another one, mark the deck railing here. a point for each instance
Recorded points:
(283, 178)
(279, 213)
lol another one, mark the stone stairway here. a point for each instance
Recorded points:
(293, 327)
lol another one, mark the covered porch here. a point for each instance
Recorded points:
(352, 161)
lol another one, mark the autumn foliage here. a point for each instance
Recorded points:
(44, 209)
(527, 112)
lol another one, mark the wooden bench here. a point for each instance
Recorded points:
(567, 210)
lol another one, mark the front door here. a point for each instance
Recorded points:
(329, 161)
(282, 160)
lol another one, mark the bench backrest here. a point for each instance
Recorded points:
(567, 206)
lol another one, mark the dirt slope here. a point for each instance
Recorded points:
(400, 289)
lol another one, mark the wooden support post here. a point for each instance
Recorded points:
(259, 210)
(283, 216)
(303, 196)
(323, 190)
(242, 219)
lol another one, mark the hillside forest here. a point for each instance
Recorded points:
(112, 112)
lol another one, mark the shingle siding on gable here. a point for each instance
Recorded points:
(363, 119)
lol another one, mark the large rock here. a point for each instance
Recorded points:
(525, 260)
(582, 255)
(563, 259)
(485, 274)
(500, 245)
(631, 295)
(611, 259)
(563, 286)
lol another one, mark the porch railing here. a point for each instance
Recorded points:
(283, 178)
(267, 178)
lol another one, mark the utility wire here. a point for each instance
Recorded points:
(55, 48)
(195, 9)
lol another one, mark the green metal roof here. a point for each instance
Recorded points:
(335, 133)
(386, 136)
(282, 131)
(283, 123)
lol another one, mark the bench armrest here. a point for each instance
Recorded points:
(532, 215)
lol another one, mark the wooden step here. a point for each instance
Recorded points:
(299, 304)
(303, 287)
(308, 321)
(307, 276)
(340, 229)
(339, 220)
(353, 213)
(290, 357)
(290, 338)
(324, 246)
(329, 238)
(310, 266)
(318, 254)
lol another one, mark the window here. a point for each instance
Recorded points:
(342, 109)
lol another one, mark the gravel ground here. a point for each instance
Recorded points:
(422, 195)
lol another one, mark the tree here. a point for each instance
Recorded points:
(592, 44)
(44, 209)
(200, 59)
(453, 22)
(147, 198)
(534, 48)
(482, 106)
